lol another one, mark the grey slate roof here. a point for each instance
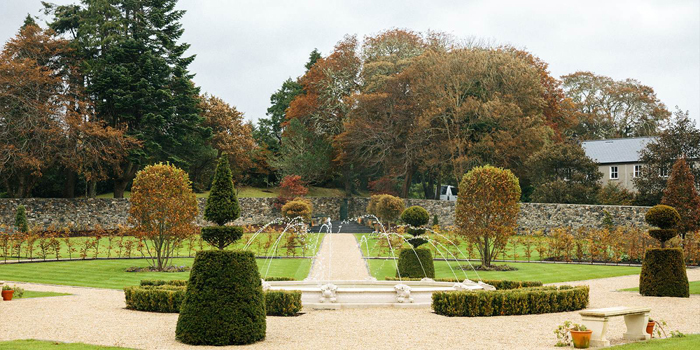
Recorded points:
(615, 150)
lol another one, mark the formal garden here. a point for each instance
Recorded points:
(243, 278)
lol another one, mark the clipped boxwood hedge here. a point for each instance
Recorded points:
(416, 264)
(499, 284)
(224, 302)
(663, 274)
(524, 301)
(181, 283)
(155, 298)
(282, 302)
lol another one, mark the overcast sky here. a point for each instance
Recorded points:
(246, 49)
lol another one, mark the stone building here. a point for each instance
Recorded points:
(618, 159)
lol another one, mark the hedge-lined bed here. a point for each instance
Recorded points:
(499, 284)
(167, 296)
(523, 301)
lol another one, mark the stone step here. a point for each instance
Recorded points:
(348, 227)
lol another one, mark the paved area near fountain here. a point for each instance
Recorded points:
(339, 259)
(98, 316)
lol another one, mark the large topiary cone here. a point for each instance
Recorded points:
(418, 264)
(224, 303)
(663, 274)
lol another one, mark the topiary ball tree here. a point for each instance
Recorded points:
(416, 263)
(224, 303)
(666, 219)
(416, 217)
(663, 269)
(21, 219)
(221, 208)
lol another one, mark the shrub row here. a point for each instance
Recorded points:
(155, 298)
(525, 301)
(282, 302)
(167, 296)
(499, 284)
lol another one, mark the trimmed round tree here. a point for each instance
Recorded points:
(414, 262)
(224, 302)
(385, 207)
(663, 270)
(487, 209)
(221, 208)
(163, 210)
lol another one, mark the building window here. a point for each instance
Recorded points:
(663, 172)
(637, 171)
(613, 172)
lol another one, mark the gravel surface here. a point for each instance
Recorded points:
(339, 259)
(98, 316)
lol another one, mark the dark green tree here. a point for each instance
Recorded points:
(562, 173)
(269, 130)
(222, 208)
(304, 153)
(21, 219)
(136, 74)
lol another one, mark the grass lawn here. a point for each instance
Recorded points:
(689, 342)
(112, 274)
(694, 288)
(261, 192)
(547, 273)
(34, 294)
(49, 345)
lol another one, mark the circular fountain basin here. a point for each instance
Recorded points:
(317, 295)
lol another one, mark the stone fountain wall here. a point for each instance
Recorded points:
(109, 212)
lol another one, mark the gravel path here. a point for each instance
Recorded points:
(339, 259)
(97, 316)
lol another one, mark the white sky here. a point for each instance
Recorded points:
(246, 48)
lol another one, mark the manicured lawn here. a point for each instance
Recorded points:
(547, 273)
(49, 345)
(694, 288)
(34, 294)
(118, 246)
(690, 342)
(112, 274)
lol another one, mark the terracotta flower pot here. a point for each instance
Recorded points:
(650, 328)
(581, 339)
(7, 295)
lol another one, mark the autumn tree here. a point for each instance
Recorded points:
(482, 105)
(608, 108)
(31, 107)
(681, 139)
(681, 194)
(231, 136)
(163, 210)
(562, 173)
(487, 209)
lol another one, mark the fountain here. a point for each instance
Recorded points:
(321, 291)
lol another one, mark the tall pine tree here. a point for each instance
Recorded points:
(136, 74)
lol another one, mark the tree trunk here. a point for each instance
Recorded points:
(69, 184)
(92, 189)
(407, 184)
(120, 187)
(438, 187)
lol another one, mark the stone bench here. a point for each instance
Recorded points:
(636, 319)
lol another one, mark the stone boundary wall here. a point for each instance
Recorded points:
(110, 212)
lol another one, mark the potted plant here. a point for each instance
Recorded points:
(7, 292)
(650, 327)
(580, 336)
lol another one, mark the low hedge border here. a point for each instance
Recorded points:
(524, 301)
(499, 284)
(167, 297)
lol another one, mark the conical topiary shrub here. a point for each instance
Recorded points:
(663, 270)
(222, 207)
(21, 219)
(224, 302)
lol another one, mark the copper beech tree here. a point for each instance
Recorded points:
(487, 209)
(680, 193)
(163, 210)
